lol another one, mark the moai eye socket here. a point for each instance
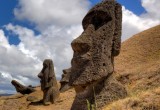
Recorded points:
(97, 18)
(45, 65)
(97, 21)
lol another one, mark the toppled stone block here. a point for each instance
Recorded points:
(21, 88)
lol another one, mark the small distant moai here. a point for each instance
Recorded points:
(48, 82)
(92, 65)
(65, 80)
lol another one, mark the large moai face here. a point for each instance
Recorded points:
(95, 48)
(92, 59)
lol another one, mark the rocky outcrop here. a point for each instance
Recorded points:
(21, 88)
(48, 81)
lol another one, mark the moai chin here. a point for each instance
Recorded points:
(92, 64)
(48, 81)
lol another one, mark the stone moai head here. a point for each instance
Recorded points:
(95, 48)
(21, 88)
(65, 80)
(46, 73)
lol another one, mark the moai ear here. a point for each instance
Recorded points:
(51, 69)
(117, 32)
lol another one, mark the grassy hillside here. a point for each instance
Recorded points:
(138, 68)
(138, 65)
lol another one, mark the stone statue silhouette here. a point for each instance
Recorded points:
(48, 81)
(21, 88)
(92, 65)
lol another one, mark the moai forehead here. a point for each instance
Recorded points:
(93, 59)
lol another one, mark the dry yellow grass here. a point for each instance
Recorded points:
(137, 68)
(138, 65)
(146, 100)
(63, 103)
(19, 103)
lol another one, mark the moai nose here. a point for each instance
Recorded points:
(80, 47)
(83, 43)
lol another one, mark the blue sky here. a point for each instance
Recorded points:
(34, 30)
(133, 5)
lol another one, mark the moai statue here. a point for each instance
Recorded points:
(21, 88)
(48, 81)
(92, 64)
(65, 80)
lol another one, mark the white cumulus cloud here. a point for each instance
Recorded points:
(53, 43)
(51, 12)
(14, 64)
(133, 24)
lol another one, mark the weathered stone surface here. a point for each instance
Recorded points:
(95, 48)
(92, 64)
(21, 88)
(48, 81)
